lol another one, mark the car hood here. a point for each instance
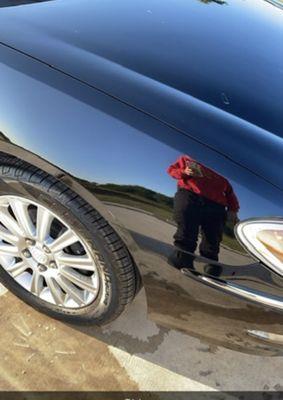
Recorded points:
(211, 69)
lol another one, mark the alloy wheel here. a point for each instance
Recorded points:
(45, 256)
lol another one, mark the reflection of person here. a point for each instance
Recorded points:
(204, 200)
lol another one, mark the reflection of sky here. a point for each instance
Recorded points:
(117, 154)
(106, 160)
(102, 148)
(211, 51)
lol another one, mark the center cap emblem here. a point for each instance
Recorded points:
(38, 255)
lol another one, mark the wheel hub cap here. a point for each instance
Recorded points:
(45, 255)
(38, 255)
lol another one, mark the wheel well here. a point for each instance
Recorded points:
(71, 183)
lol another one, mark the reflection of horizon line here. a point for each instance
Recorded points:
(104, 183)
(132, 185)
(139, 210)
(110, 203)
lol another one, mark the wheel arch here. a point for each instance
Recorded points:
(11, 151)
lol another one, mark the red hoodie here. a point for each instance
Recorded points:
(210, 185)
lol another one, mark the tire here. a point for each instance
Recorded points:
(114, 273)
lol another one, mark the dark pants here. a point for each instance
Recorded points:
(194, 213)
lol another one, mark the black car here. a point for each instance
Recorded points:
(141, 146)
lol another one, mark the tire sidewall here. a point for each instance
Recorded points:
(102, 308)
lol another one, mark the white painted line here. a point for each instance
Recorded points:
(3, 290)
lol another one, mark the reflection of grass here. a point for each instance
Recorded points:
(158, 212)
(138, 197)
(232, 243)
(159, 205)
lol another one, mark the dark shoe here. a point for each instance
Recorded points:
(213, 270)
(179, 259)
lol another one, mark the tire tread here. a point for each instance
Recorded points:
(125, 268)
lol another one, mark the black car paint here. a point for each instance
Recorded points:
(186, 63)
(100, 135)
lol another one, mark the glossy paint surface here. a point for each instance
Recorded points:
(117, 157)
(205, 68)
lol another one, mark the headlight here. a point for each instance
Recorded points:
(264, 240)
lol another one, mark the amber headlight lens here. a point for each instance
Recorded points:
(264, 240)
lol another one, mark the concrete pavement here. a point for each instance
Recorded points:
(38, 353)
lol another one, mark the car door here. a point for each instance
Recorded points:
(119, 156)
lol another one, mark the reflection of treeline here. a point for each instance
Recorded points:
(140, 192)
(139, 197)
(135, 196)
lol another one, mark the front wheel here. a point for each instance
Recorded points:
(57, 253)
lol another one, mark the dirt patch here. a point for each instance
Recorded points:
(39, 353)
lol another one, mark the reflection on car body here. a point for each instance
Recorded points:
(94, 109)
(204, 200)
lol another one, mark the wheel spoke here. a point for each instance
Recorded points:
(10, 223)
(7, 261)
(84, 282)
(43, 222)
(66, 239)
(17, 269)
(36, 283)
(8, 237)
(78, 262)
(6, 249)
(55, 290)
(71, 290)
(21, 213)
(35, 251)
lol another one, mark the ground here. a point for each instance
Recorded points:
(133, 353)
